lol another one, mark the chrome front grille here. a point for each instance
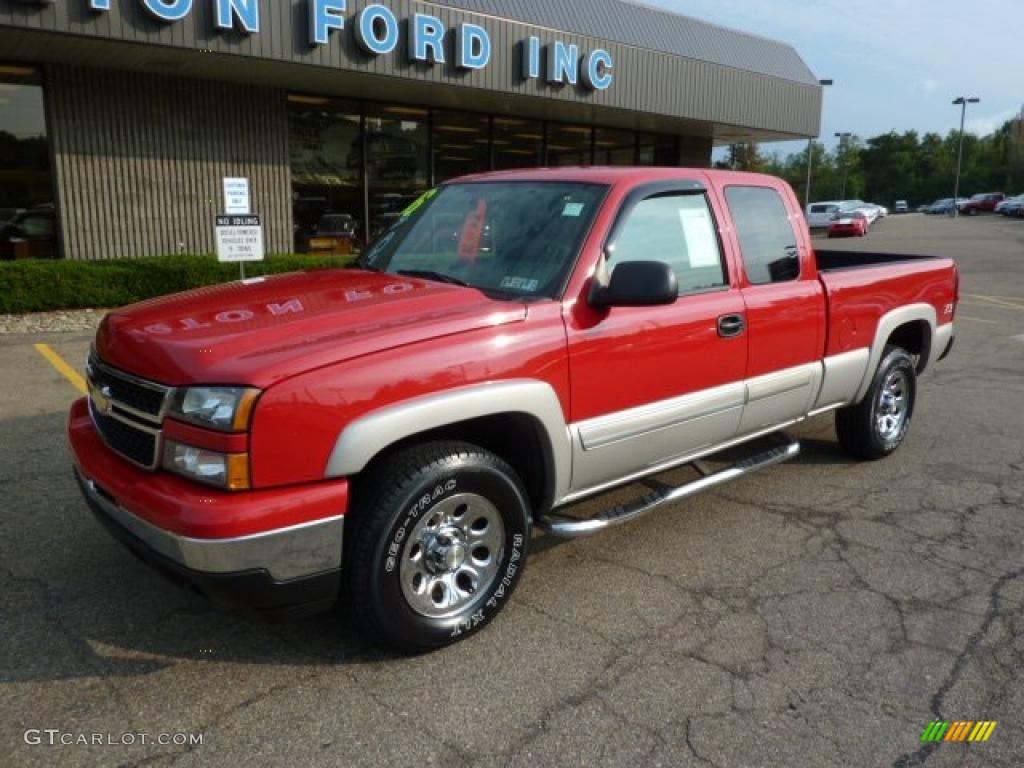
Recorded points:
(128, 412)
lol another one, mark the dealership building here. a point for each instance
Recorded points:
(120, 119)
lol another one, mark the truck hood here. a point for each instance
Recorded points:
(256, 332)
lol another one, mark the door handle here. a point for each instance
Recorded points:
(731, 326)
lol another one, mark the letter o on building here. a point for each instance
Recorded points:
(169, 10)
(377, 30)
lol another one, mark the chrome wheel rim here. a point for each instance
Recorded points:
(891, 412)
(451, 558)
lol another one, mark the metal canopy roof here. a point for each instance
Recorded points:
(651, 28)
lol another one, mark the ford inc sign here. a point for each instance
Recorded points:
(379, 32)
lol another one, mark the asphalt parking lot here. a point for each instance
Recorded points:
(821, 613)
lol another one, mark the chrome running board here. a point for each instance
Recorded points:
(570, 528)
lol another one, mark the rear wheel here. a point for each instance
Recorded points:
(878, 425)
(439, 543)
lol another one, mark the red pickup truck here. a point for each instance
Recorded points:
(516, 342)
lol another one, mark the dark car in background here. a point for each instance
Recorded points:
(6, 214)
(945, 205)
(335, 234)
(1013, 206)
(984, 202)
(30, 234)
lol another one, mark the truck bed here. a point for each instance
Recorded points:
(860, 288)
(833, 261)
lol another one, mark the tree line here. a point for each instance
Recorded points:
(897, 166)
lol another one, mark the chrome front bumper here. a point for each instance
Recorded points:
(286, 554)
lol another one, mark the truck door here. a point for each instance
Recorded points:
(784, 304)
(654, 384)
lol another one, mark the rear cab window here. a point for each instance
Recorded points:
(768, 241)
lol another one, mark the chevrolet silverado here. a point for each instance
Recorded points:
(387, 436)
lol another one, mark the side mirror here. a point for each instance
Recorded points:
(638, 284)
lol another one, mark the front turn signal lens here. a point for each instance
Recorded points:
(228, 471)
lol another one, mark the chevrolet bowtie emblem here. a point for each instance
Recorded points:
(101, 400)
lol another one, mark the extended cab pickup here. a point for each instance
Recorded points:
(515, 343)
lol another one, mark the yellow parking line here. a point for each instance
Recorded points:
(66, 370)
(997, 302)
(993, 296)
(976, 320)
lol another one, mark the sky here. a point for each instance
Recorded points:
(897, 64)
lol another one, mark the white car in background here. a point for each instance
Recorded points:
(819, 215)
(870, 210)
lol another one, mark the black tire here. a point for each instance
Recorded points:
(396, 505)
(867, 431)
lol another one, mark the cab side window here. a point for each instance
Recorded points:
(768, 242)
(679, 231)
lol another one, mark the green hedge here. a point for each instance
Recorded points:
(40, 286)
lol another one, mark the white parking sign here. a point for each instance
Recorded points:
(236, 196)
(239, 238)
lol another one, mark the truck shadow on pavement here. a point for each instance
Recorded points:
(75, 604)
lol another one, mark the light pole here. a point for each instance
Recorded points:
(842, 152)
(962, 102)
(810, 153)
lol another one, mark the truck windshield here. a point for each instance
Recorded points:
(508, 239)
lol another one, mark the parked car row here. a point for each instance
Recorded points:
(821, 215)
(983, 202)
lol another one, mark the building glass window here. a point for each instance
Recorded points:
(327, 179)
(397, 164)
(658, 149)
(569, 144)
(517, 143)
(27, 214)
(461, 145)
(613, 147)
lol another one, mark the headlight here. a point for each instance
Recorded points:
(226, 409)
(229, 471)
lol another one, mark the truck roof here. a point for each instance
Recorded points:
(613, 175)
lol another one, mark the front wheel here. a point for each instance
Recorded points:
(877, 426)
(439, 541)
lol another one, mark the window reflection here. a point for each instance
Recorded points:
(461, 144)
(27, 214)
(613, 147)
(569, 144)
(327, 186)
(517, 143)
(342, 201)
(396, 162)
(657, 149)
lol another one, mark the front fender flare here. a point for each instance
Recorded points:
(369, 435)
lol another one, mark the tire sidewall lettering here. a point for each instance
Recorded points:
(426, 501)
(504, 494)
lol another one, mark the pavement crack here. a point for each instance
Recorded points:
(995, 599)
